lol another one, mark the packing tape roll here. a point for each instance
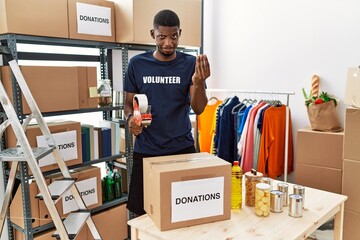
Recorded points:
(142, 102)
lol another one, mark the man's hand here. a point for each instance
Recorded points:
(133, 127)
(202, 70)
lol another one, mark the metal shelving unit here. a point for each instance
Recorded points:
(12, 40)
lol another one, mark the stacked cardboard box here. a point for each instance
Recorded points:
(351, 176)
(319, 159)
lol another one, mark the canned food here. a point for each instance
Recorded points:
(295, 207)
(276, 201)
(284, 188)
(300, 190)
(267, 180)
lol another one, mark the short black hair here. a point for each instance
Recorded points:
(166, 18)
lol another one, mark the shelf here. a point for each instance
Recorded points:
(103, 207)
(58, 41)
(84, 110)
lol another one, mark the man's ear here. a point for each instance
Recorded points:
(152, 33)
(180, 30)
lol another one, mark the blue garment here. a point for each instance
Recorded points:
(227, 133)
(243, 120)
(166, 85)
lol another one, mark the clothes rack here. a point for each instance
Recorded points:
(287, 94)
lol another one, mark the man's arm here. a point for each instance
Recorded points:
(197, 89)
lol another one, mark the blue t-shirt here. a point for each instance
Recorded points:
(166, 85)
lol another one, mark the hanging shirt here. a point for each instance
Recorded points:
(272, 143)
(205, 122)
(226, 133)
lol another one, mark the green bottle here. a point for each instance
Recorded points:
(117, 183)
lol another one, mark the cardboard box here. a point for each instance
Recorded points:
(351, 225)
(352, 92)
(352, 134)
(170, 181)
(327, 179)
(35, 17)
(53, 88)
(350, 178)
(111, 223)
(134, 19)
(47, 235)
(323, 149)
(91, 20)
(87, 87)
(88, 180)
(68, 135)
(16, 206)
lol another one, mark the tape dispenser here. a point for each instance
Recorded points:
(142, 111)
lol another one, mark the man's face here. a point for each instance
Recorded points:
(166, 39)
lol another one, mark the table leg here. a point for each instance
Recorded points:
(339, 223)
(134, 233)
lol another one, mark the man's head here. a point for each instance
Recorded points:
(166, 32)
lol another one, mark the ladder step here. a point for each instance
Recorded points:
(73, 224)
(58, 187)
(17, 154)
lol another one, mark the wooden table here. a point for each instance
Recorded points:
(319, 207)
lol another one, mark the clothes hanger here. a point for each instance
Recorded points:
(212, 100)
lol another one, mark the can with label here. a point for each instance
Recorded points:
(295, 206)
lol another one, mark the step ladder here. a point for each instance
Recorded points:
(71, 226)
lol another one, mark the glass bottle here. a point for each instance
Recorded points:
(117, 183)
(104, 93)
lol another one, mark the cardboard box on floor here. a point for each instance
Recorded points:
(351, 225)
(111, 223)
(170, 181)
(92, 20)
(324, 178)
(88, 180)
(134, 19)
(72, 127)
(35, 17)
(47, 235)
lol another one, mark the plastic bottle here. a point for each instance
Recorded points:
(236, 186)
(117, 183)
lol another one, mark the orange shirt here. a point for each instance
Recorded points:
(272, 143)
(205, 123)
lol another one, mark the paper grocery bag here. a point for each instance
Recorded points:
(323, 117)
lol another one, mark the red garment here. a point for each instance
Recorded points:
(272, 143)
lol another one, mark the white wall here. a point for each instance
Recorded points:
(278, 45)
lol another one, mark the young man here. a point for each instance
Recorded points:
(172, 81)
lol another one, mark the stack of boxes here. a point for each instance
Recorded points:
(351, 176)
